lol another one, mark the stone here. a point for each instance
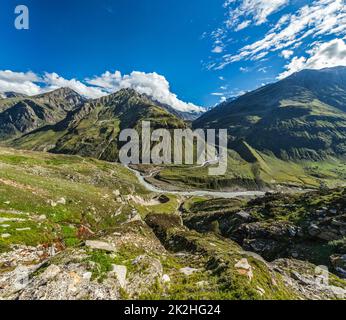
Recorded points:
(138, 259)
(292, 231)
(295, 255)
(338, 292)
(87, 275)
(188, 271)
(61, 201)
(120, 272)
(5, 235)
(52, 203)
(163, 199)
(100, 245)
(166, 278)
(243, 215)
(314, 230)
(244, 268)
(339, 264)
(51, 272)
(69, 281)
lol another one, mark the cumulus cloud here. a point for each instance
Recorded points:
(310, 22)
(151, 84)
(23, 82)
(323, 55)
(54, 81)
(31, 84)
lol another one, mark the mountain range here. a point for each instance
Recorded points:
(20, 114)
(300, 118)
(93, 128)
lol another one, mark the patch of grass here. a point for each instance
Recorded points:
(56, 193)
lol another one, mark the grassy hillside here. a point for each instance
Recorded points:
(299, 118)
(257, 170)
(99, 220)
(47, 198)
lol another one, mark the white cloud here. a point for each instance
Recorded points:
(323, 55)
(263, 69)
(287, 53)
(320, 18)
(217, 49)
(257, 10)
(151, 84)
(31, 84)
(243, 25)
(295, 65)
(54, 81)
(23, 82)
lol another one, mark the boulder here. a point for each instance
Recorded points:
(338, 262)
(188, 271)
(244, 268)
(120, 273)
(100, 245)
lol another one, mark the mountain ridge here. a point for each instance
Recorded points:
(294, 118)
(20, 115)
(93, 128)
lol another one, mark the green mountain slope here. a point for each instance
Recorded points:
(93, 129)
(22, 114)
(301, 117)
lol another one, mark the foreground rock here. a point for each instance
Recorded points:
(309, 226)
(90, 272)
(245, 275)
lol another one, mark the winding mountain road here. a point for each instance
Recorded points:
(197, 193)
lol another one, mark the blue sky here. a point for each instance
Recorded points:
(203, 51)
